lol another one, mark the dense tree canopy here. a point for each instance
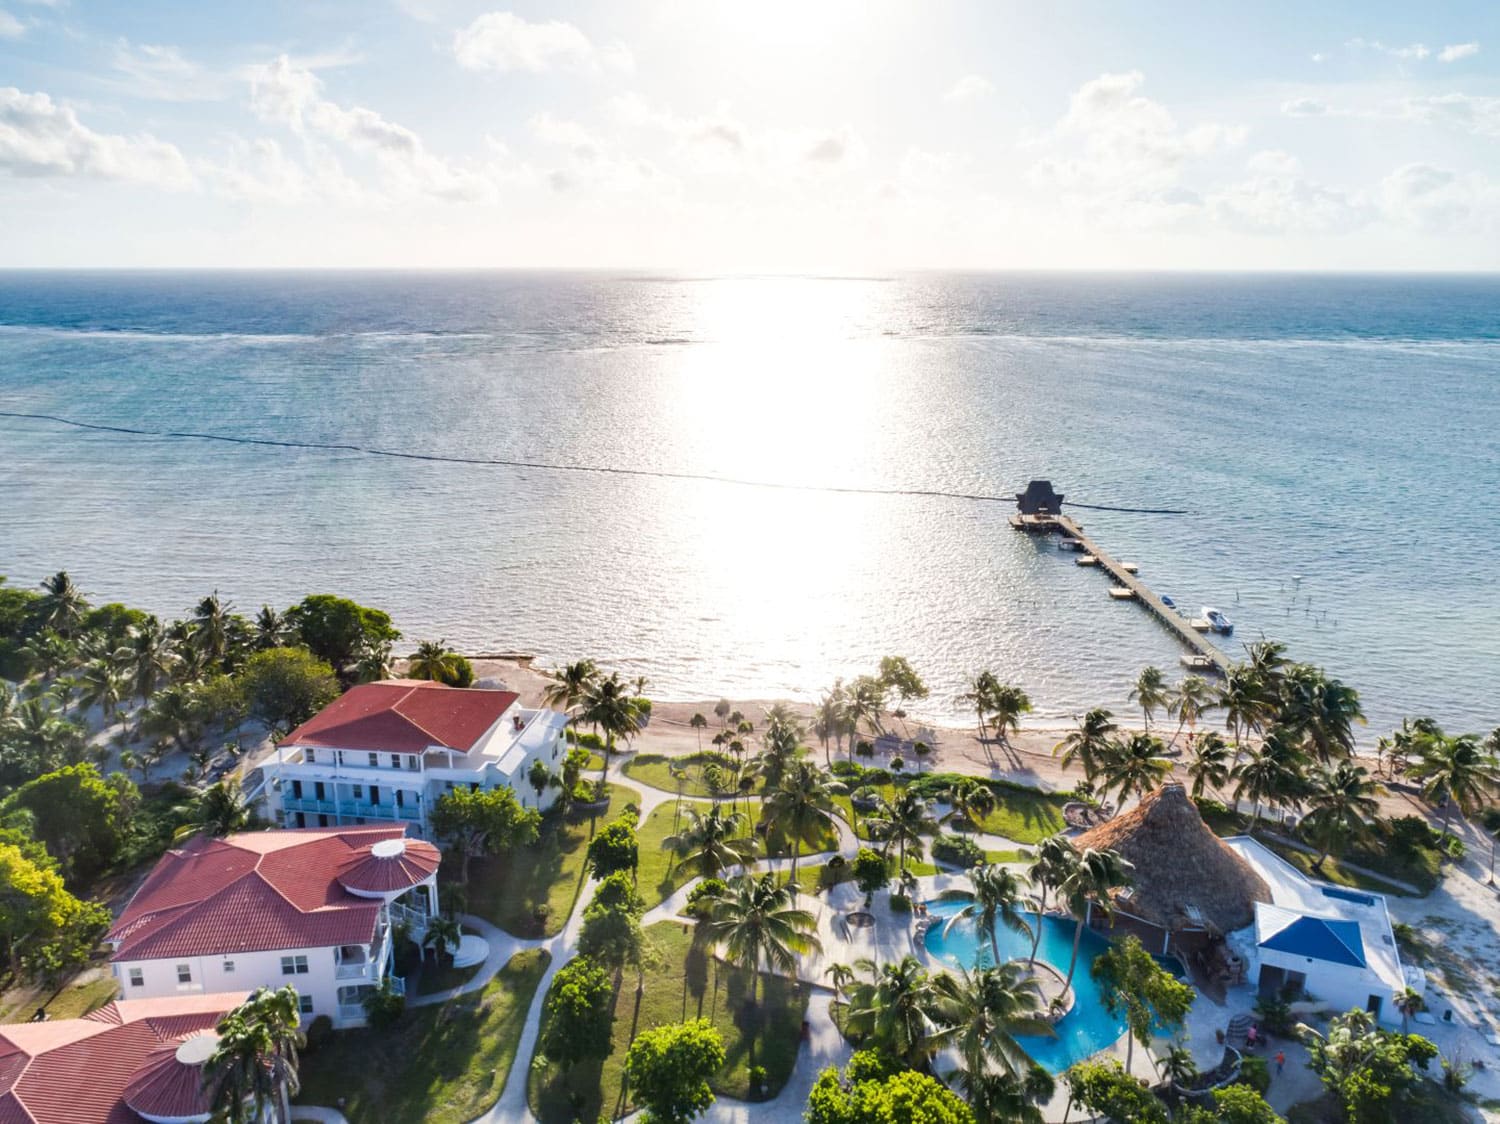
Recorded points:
(43, 928)
(479, 822)
(577, 1016)
(284, 687)
(341, 632)
(904, 1097)
(77, 815)
(669, 1067)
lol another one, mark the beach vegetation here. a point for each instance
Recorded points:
(1369, 1071)
(349, 637)
(437, 662)
(284, 687)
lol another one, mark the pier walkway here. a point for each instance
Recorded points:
(1174, 621)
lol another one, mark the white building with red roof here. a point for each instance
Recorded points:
(126, 1062)
(387, 751)
(312, 908)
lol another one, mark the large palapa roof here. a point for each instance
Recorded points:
(1185, 876)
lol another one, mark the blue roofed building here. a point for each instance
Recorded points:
(1331, 943)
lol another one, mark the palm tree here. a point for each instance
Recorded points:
(970, 800)
(150, 659)
(866, 703)
(220, 810)
(1455, 770)
(1210, 763)
(1051, 868)
(828, 718)
(62, 605)
(609, 706)
(903, 823)
(270, 629)
(1322, 710)
(1088, 887)
(698, 724)
(211, 629)
(1135, 765)
(1089, 744)
(444, 935)
(1271, 773)
(436, 662)
(1177, 1065)
(1150, 692)
(1192, 697)
(48, 654)
(896, 1007)
(1409, 1002)
(756, 925)
(780, 741)
(1007, 704)
(1243, 697)
(1343, 804)
(254, 1067)
(979, 695)
(99, 685)
(712, 843)
(840, 976)
(999, 1098)
(802, 805)
(570, 685)
(997, 899)
(984, 1010)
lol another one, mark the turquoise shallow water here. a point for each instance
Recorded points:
(1337, 429)
(1083, 1031)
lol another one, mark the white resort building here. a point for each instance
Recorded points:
(1337, 945)
(312, 908)
(386, 751)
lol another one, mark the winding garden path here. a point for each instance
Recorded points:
(824, 1046)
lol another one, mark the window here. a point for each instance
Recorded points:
(229, 967)
(395, 761)
(297, 789)
(374, 760)
(294, 965)
(184, 974)
(359, 792)
(411, 763)
(304, 1004)
(374, 796)
(137, 977)
(312, 755)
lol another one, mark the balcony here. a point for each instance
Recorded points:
(353, 970)
(351, 809)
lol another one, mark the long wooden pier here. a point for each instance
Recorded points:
(1174, 621)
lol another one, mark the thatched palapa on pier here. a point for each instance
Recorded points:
(1185, 876)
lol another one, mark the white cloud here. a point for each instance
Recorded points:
(10, 27)
(971, 87)
(1455, 51)
(285, 93)
(1318, 56)
(1115, 145)
(1438, 200)
(39, 137)
(504, 41)
(1411, 51)
(1276, 198)
(1477, 115)
(161, 73)
(1304, 107)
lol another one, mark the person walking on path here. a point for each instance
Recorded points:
(1280, 1060)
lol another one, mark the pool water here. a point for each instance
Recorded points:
(1083, 1031)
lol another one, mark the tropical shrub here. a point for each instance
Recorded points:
(709, 888)
(870, 871)
(577, 1012)
(957, 850)
(319, 1032)
(1255, 1073)
(384, 1006)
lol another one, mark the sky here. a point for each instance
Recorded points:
(705, 136)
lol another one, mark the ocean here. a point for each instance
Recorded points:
(726, 484)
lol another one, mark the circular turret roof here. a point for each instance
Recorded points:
(169, 1083)
(389, 866)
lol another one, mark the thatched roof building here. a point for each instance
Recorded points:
(1185, 877)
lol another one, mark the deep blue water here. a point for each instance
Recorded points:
(1334, 437)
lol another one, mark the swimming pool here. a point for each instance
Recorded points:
(1083, 1031)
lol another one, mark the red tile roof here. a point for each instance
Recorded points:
(76, 1071)
(255, 892)
(404, 716)
(379, 872)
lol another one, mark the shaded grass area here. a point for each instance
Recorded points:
(440, 1065)
(509, 890)
(659, 873)
(1022, 814)
(1332, 870)
(654, 769)
(683, 982)
(72, 999)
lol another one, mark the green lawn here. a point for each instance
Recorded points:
(70, 1001)
(509, 889)
(653, 769)
(1021, 814)
(683, 983)
(444, 1064)
(659, 874)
